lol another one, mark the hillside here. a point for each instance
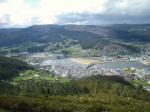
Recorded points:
(94, 93)
(43, 34)
(82, 33)
(107, 45)
(119, 31)
(11, 67)
(10, 30)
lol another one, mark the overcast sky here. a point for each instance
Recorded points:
(23, 13)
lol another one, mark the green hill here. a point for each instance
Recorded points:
(11, 67)
(44, 34)
(94, 93)
(105, 44)
(82, 33)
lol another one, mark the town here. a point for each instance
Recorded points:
(75, 68)
(75, 62)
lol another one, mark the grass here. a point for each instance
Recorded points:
(30, 72)
(37, 79)
(48, 78)
(21, 78)
(140, 82)
(11, 55)
(15, 80)
(64, 80)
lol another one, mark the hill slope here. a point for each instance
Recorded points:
(120, 31)
(95, 93)
(105, 44)
(82, 33)
(43, 34)
(11, 67)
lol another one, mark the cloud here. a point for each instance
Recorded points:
(16, 11)
(95, 19)
(114, 12)
(22, 13)
(128, 7)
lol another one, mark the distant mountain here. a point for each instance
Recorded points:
(82, 33)
(43, 34)
(120, 31)
(10, 30)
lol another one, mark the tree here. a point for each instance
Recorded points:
(48, 91)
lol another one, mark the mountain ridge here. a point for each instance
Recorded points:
(82, 33)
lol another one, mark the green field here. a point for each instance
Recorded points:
(140, 82)
(32, 74)
(49, 78)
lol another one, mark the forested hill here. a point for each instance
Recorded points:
(10, 30)
(11, 67)
(44, 34)
(95, 93)
(105, 44)
(113, 85)
(82, 33)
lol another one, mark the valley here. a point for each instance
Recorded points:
(77, 67)
(66, 50)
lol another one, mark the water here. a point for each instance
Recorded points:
(108, 65)
(122, 64)
(64, 62)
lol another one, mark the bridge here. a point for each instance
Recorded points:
(92, 64)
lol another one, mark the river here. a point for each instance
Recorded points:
(122, 64)
(108, 65)
(64, 62)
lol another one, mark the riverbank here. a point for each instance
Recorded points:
(83, 61)
(146, 62)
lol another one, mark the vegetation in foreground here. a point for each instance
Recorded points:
(10, 68)
(96, 102)
(94, 93)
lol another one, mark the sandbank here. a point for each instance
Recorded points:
(83, 61)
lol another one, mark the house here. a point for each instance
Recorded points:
(21, 74)
(36, 75)
(56, 78)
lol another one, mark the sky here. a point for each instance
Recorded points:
(24, 13)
